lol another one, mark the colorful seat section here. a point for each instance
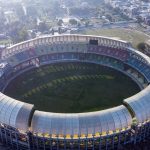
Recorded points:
(109, 51)
(22, 127)
(140, 66)
(69, 47)
(5, 73)
(86, 57)
(105, 60)
(66, 51)
(22, 56)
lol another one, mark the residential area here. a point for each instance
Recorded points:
(24, 20)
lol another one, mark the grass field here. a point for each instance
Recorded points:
(132, 36)
(72, 87)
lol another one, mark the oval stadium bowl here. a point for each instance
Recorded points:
(22, 126)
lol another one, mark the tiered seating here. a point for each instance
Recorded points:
(54, 48)
(53, 57)
(66, 56)
(5, 73)
(59, 56)
(0, 54)
(60, 48)
(109, 51)
(69, 47)
(2, 84)
(31, 52)
(43, 58)
(104, 60)
(13, 60)
(42, 50)
(22, 56)
(68, 50)
(140, 66)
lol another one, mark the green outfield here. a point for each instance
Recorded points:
(72, 87)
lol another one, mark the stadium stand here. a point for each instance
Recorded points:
(23, 127)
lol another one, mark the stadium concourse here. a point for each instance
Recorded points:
(24, 127)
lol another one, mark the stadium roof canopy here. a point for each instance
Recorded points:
(14, 113)
(113, 119)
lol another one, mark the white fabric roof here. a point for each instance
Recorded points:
(140, 104)
(81, 123)
(14, 113)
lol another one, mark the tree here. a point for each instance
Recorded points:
(32, 11)
(2, 21)
(18, 32)
(109, 17)
(43, 27)
(87, 23)
(23, 34)
(60, 22)
(139, 19)
(73, 22)
(20, 12)
(117, 10)
(141, 46)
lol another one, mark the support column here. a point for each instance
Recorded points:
(6, 136)
(71, 142)
(50, 142)
(106, 142)
(64, 142)
(29, 140)
(2, 139)
(93, 141)
(119, 139)
(113, 142)
(37, 143)
(43, 139)
(57, 142)
(100, 143)
(11, 139)
(79, 143)
(16, 137)
(86, 145)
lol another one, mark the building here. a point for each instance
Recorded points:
(23, 127)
